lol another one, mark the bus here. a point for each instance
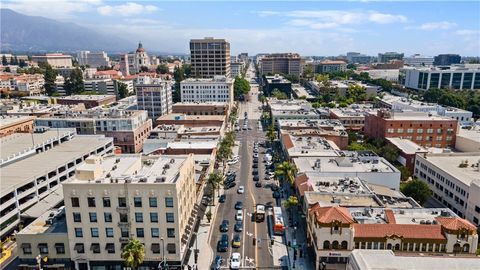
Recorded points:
(260, 213)
(278, 224)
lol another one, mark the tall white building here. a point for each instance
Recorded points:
(93, 59)
(455, 77)
(418, 60)
(217, 89)
(154, 95)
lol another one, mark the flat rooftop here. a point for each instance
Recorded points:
(424, 216)
(450, 162)
(42, 224)
(15, 175)
(346, 164)
(12, 120)
(414, 115)
(388, 260)
(309, 146)
(407, 146)
(215, 79)
(350, 112)
(87, 97)
(310, 123)
(345, 200)
(183, 117)
(472, 134)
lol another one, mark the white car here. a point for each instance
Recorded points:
(255, 155)
(241, 190)
(232, 161)
(235, 261)
(239, 215)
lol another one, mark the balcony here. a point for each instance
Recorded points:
(122, 210)
(124, 239)
(123, 224)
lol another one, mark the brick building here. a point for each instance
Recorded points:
(193, 108)
(422, 128)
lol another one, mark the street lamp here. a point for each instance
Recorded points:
(163, 254)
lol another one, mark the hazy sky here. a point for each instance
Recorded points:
(310, 28)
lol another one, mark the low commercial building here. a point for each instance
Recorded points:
(363, 164)
(154, 96)
(293, 110)
(358, 58)
(277, 82)
(90, 101)
(361, 259)
(236, 69)
(55, 60)
(15, 124)
(331, 130)
(128, 128)
(407, 151)
(468, 140)
(307, 145)
(30, 174)
(216, 89)
(341, 88)
(453, 179)
(453, 77)
(447, 59)
(101, 86)
(334, 232)
(191, 121)
(422, 128)
(208, 108)
(329, 66)
(351, 118)
(391, 75)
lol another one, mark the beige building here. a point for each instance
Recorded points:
(117, 198)
(216, 89)
(210, 57)
(285, 63)
(15, 124)
(55, 60)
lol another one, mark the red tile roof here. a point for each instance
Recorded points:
(389, 216)
(302, 184)
(455, 223)
(287, 141)
(329, 214)
(407, 231)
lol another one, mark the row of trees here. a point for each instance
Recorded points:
(466, 99)
(180, 74)
(13, 61)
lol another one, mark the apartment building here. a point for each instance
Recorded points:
(281, 63)
(154, 95)
(90, 101)
(93, 59)
(102, 86)
(15, 124)
(425, 129)
(329, 66)
(335, 231)
(31, 84)
(31, 176)
(210, 57)
(56, 60)
(453, 178)
(351, 118)
(297, 109)
(216, 89)
(453, 77)
(128, 128)
(117, 198)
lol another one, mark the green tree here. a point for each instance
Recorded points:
(354, 146)
(357, 93)
(50, 77)
(215, 179)
(271, 133)
(22, 63)
(7, 69)
(290, 204)
(133, 253)
(162, 69)
(416, 189)
(263, 99)
(74, 83)
(308, 71)
(404, 173)
(240, 87)
(286, 171)
(389, 152)
(122, 90)
(279, 94)
(4, 60)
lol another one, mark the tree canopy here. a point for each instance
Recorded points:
(162, 69)
(240, 87)
(122, 90)
(74, 83)
(416, 189)
(279, 94)
(50, 77)
(133, 253)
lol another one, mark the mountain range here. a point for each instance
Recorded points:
(24, 33)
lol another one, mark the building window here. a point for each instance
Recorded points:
(77, 217)
(122, 202)
(91, 202)
(107, 216)
(171, 248)
(140, 232)
(60, 247)
(93, 216)
(155, 232)
(171, 233)
(109, 232)
(123, 217)
(80, 248)
(154, 217)
(410, 130)
(95, 247)
(449, 138)
(420, 130)
(27, 248)
(400, 130)
(137, 201)
(110, 247)
(156, 248)
(94, 232)
(106, 202)
(75, 202)
(138, 217)
(418, 138)
(170, 218)
(43, 248)
(168, 202)
(152, 201)
(124, 232)
(78, 232)
(390, 130)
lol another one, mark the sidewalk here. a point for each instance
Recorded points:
(202, 242)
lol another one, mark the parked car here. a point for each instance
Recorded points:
(258, 184)
(276, 194)
(224, 225)
(274, 187)
(239, 205)
(229, 185)
(236, 242)
(217, 263)
(256, 178)
(239, 215)
(206, 200)
(241, 190)
(222, 245)
(238, 226)
(255, 171)
(255, 165)
(222, 198)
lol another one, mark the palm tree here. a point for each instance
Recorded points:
(287, 171)
(214, 180)
(224, 152)
(133, 253)
(271, 133)
(290, 204)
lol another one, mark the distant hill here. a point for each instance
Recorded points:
(33, 33)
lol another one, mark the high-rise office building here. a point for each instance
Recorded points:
(447, 59)
(210, 57)
(388, 56)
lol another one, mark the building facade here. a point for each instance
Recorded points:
(154, 96)
(55, 60)
(418, 60)
(93, 59)
(329, 66)
(16, 124)
(457, 78)
(388, 56)
(447, 59)
(210, 57)
(90, 101)
(281, 63)
(216, 89)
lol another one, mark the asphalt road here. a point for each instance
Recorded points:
(256, 256)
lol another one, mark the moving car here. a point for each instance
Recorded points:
(238, 226)
(239, 215)
(222, 198)
(222, 245)
(239, 205)
(235, 260)
(236, 242)
(224, 225)
(241, 190)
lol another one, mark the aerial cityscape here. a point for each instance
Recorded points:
(194, 135)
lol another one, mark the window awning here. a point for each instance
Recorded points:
(155, 248)
(95, 247)
(59, 245)
(78, 247)
(110, 247)
(25, 245)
